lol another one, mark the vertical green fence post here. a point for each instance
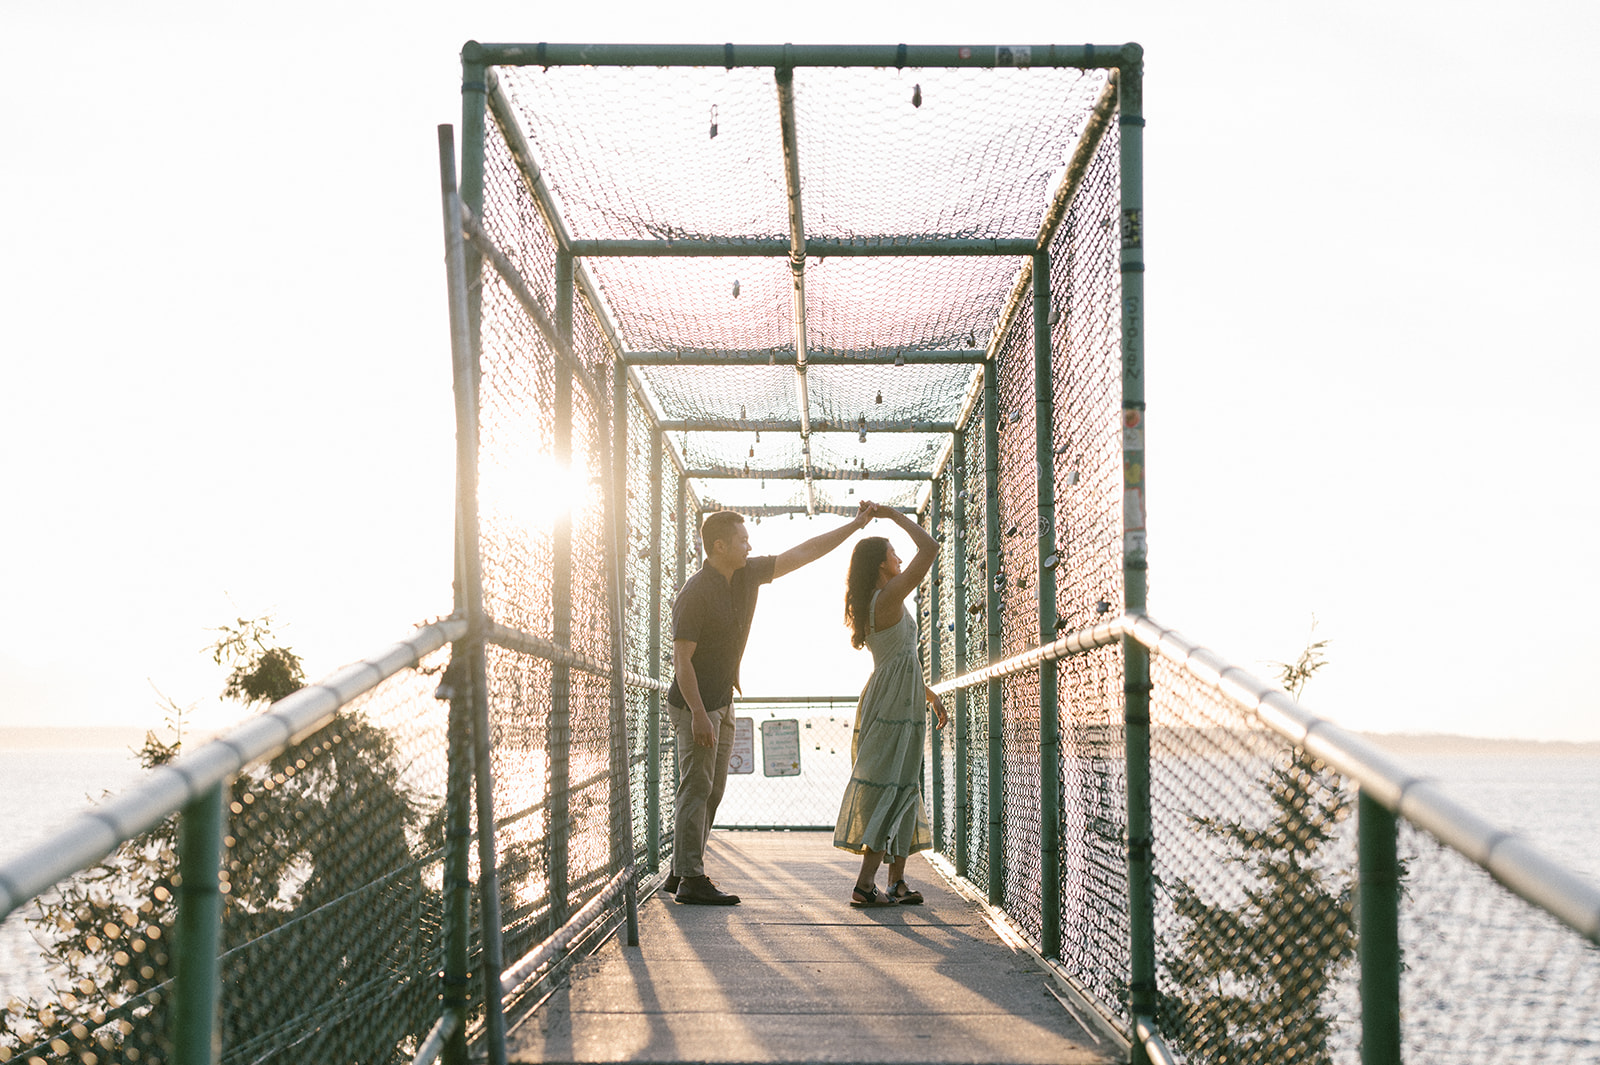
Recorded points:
(468, 671)
(995, 844)
(559, 736)
(935, 663)
(1379, 930)
(474, 92)
(198, 937)
(958, 485)
(623, 845)
(1049, 710)
(652, 727)
(457, 878)
(1136, 660)
(680, 574)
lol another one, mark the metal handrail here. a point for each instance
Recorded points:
(1507, 856)
(170, 788)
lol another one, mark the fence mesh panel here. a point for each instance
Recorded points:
(1480, 966)
(332, 916)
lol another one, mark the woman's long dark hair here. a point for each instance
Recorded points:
(865, 563)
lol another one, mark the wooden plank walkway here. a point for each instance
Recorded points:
(793, 974)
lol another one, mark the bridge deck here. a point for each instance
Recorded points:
(795, 975)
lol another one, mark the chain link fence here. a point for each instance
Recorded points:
(331, 903)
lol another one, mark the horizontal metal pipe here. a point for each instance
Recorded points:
(786, 357)
(773, 425)
(529, 964)
(1506, 856)
(887, 246)
(1071, 644)
(539, 647)
(1081, 56)
(167, 789)
(438, 1036)
(1150, 1038)
(796, 473)
(779, 511)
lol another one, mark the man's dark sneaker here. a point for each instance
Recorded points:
(671, 884)
(700, 891)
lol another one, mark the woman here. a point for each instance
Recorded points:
(881, 813)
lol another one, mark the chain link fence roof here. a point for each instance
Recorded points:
(920, 192)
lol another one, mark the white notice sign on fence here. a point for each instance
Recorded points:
(780, 748)
(743, 758)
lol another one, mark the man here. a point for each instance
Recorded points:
(710, 625)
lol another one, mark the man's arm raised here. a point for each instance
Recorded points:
(820, 545)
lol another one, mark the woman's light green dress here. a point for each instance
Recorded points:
(882, 806)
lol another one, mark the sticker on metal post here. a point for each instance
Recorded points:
(780, 748)
(1132, 430)
(1015, 55)
(743, 757)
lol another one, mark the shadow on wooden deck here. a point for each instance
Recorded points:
(794, 974)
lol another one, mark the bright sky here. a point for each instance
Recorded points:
(1371, 232)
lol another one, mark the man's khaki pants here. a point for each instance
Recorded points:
(702, 778)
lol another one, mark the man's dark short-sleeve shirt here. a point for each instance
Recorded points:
(714, 613)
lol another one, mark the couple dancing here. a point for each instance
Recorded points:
(881, 815)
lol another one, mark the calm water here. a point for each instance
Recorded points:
(44, 788)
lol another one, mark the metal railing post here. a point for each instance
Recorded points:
(1378, 923)
(652, 726)
(622, 842)
(458, 814)
(995, 844)
(958, 467)
(457, 877)
(1136, 659)
(560, 729)
(935, 663)
(471, 671)
(1049, 710)
(198, 935)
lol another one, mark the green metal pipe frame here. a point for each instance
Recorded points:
(198, 934)
(882, 247)
(1378, 917)
(774, 425)
(560, 734)
(937, 577)
(455, 995)
(775, 357)
(958, 487)
(1049, 706)
(622, 842)
(473, 117)
(1081, 56)
(456, 992)
(994, 800)
(1136, 659)
(798, 473)
(653, 707)
(796, 251)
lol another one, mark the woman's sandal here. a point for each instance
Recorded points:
(900, 893)
(869, 898)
